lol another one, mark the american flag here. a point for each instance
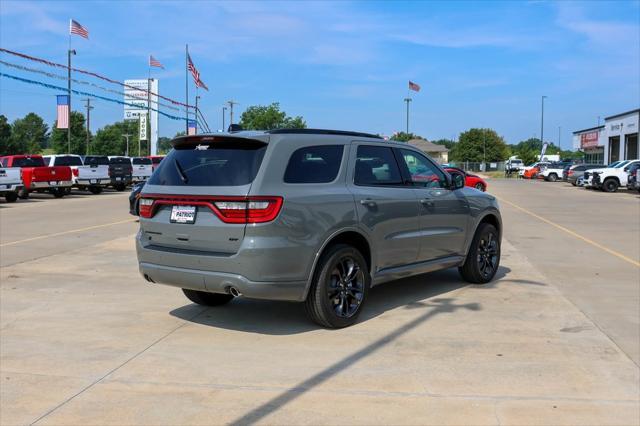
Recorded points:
(192, 127)
(63, 111)
(195, 73)
(153, 62)
(76, 28)
(413, 86)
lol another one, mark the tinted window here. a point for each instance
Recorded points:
(119, 160)
(376, 165)
(219, 164)
(422, 171)
(67, 160)
(28, 162)
(579, 168)
(314, 164)
(141, 161)
(96, 160)
(157, 160)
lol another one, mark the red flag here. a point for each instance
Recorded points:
(153, 62)
(413, 86)
(76, 28)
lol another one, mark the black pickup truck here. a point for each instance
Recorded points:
(120, 169)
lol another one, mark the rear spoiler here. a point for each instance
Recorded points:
(208, 139)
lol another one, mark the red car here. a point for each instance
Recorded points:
(155, 160)
(39, 177)
(471, 180)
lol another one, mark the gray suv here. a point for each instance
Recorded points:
(313, 216)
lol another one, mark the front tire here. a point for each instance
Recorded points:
(207, 299)
(610, 185)
(483, 258)
(553, 177)
(339, 288)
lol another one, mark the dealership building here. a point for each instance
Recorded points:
(616, 140)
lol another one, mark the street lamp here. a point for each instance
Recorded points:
(224, 111)
(126, 136)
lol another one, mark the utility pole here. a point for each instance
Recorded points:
(231, 104)
(69, 53)
(224, 112)
(126, 136)
(407, 100)
(89, 108)
(542, 122)
(559, 141)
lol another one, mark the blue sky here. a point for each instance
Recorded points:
(345, 65)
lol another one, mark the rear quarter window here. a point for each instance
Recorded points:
(314, 164)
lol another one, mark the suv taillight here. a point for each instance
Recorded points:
(76, 172)
(228, 209)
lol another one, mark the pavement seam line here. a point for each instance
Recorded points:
(113, 370)
(572, 233)
(71, 231)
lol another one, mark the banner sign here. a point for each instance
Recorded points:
(144, 128)
(589, 140)
(544, 149)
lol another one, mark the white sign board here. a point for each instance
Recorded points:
(143, 128)
(135, 98)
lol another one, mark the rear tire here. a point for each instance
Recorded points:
(95, 189)
(610, 185)
(339, 288)
(120, 187)
(483, 259)
(207, 299)
(23, 194)
(58, 192)
(553, 177)
(11, 197)
(574, 184)
(480, 187)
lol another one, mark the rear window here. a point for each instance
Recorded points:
(96, 160)
(314, 164)
(140, 161)
(28, 162)
(218, 164)
(67, 160)
(119, 160)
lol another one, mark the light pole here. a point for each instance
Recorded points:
(69, 53)
(224, 112)
(559, 141)
(231, 104)
(542, 121)
(484, 149)
(407, 100)
(126, 136)
(89, 108)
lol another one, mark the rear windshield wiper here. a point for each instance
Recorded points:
(183, 176)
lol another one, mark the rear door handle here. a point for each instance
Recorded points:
(368, 203)
(426, 202)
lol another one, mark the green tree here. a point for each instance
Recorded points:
(6, 142)
(110, 140)
(404, 136)
(29, 134)
(164, 145)
(268, 117)
(528, 156)
(474, 143)
(78, 136)
(446, 142)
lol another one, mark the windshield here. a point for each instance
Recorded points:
(96, 160)
(140, 161)
(28, 162)
(219, 164)
(67, 160)
(621, 164)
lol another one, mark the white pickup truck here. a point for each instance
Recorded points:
(610, 178)
(553, 171)
(90, 177)
(142, 169)
(10, 183)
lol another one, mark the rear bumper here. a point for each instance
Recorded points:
(92, 182)
(220, 282)
(50, 185)
(11, 187)
(120, 180)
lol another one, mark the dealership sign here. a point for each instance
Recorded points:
(136, 107)
(589, 140)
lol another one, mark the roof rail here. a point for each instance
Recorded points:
(321, 132)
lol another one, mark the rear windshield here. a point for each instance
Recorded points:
(67, 160)
(140, 161)
(96, 160)
(28, 162)
(119, 160)
(218, 164)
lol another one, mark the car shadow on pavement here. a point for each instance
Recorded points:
(284, 318)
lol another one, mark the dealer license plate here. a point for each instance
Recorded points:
(94, 180)
(53, 183)
(183, 214)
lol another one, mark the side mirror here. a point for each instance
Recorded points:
(457, 180)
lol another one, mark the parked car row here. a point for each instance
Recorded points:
(21, 175)
(591, 176)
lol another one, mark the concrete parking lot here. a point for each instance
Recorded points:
(554, 340)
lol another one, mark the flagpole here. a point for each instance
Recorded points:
(149, 108)
(186, 86)
(69, 91)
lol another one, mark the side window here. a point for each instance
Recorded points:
(314, 164)
(376, 165)
(423, 172)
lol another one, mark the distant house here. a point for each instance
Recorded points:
(440, 153)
